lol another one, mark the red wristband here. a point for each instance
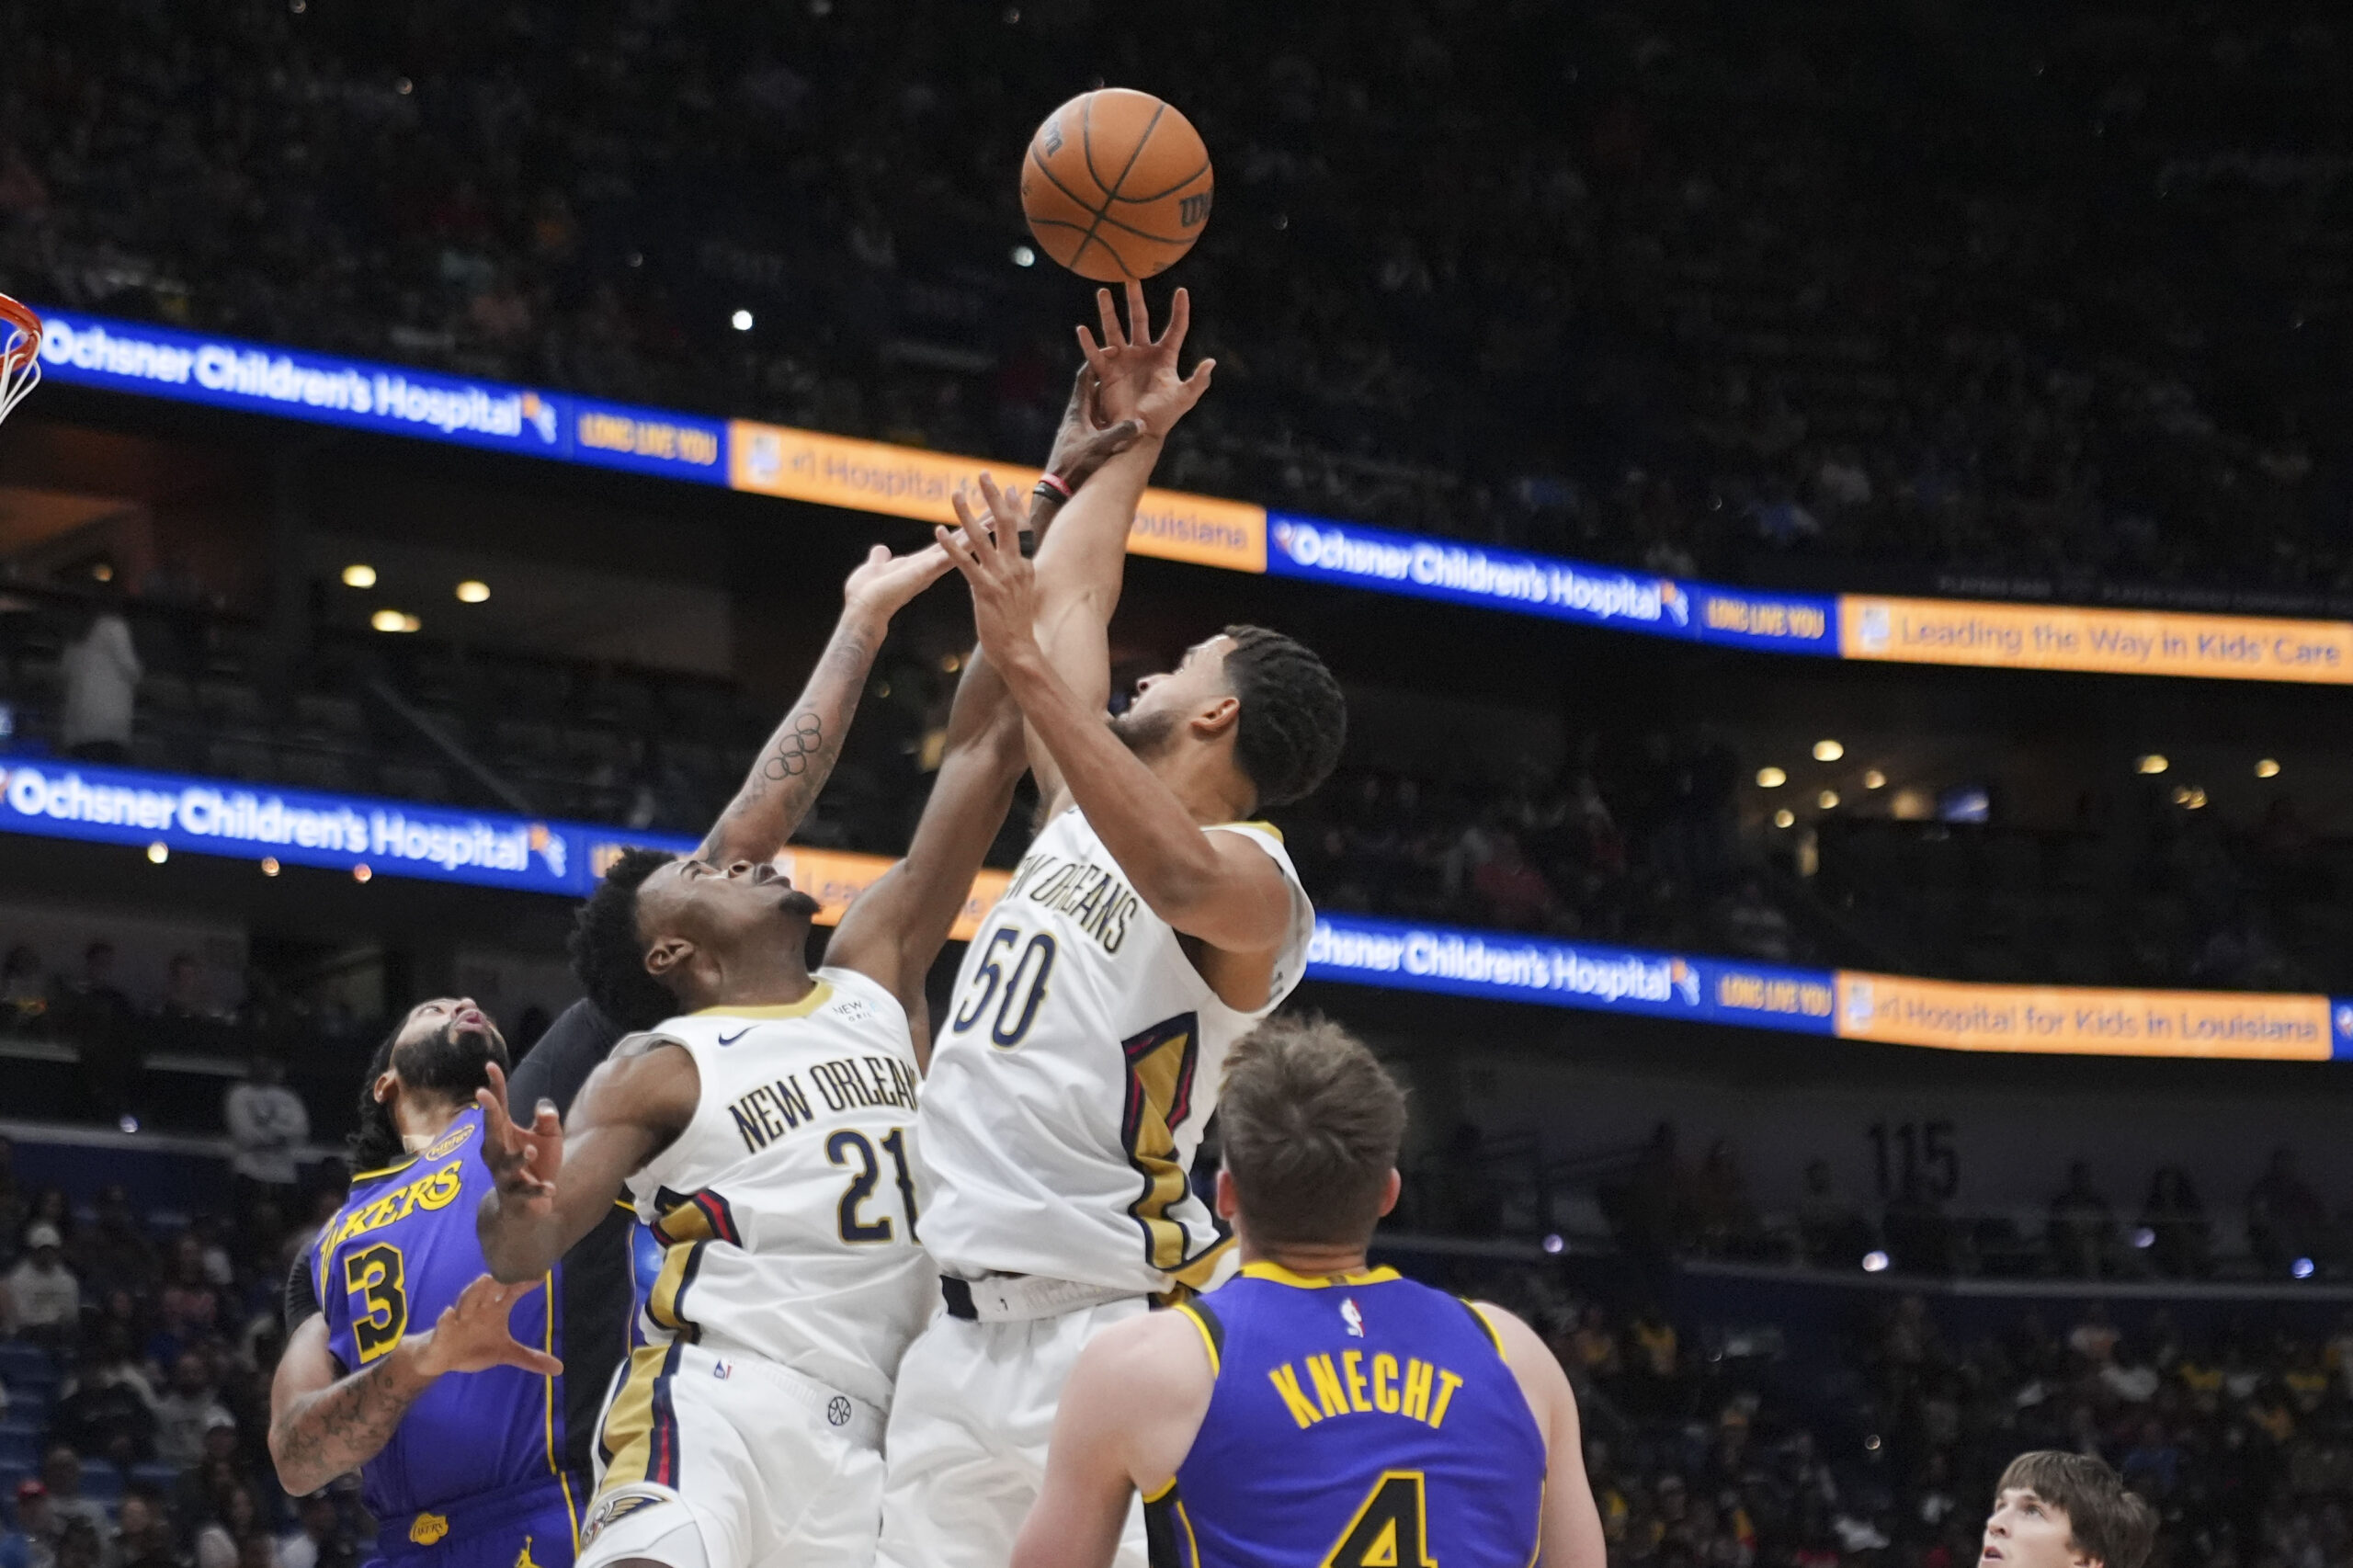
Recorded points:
(1057, 484)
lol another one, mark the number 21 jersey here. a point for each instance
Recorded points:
(785, 1210)
(1074, 1071)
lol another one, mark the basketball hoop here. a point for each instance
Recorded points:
(19, 354)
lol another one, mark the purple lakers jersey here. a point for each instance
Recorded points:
(399, 1252)
(1362, 1421)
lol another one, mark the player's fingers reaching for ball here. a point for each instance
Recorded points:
(1180, 321)
(1009, 511)
(1113, 337)
(1139, 315)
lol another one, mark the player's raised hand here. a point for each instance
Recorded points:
(883, 583)
(473, 1334)
(1085, 440)
(523, 1160)
(1003, 582)
(1137, 372)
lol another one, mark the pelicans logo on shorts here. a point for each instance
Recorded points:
(614, 1508)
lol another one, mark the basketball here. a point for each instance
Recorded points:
(1117, 185)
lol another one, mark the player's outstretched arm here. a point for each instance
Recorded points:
(1571, 1525)
(896, 928)
(1128, 1416)
(322, 1425)
(792, 767)
(1129, 376)
(556, 1178)
(1212, 886)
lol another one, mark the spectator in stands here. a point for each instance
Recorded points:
(143, 1535)
(186, 996)
(186, 1412)
(234, 1520)
(1832, 1232)
(1516, 896)
(102, 673)
(107, 1406)
(2082, 1229)
(24, 989)
(1595, 1346)
(115, 1254)
(2181, 1238)
(267, 1123)
(322, 1541)
(61, 1471)
(96, 1014)
(32, 1543)
(2286, 1220)
(2095, 1338)
(44, 1298)
(187, 1309)
(81, 1544)
(12, 1204)
(1724, 1220)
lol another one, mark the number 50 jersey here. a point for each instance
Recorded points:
(1074, 1073)
(786, 1209)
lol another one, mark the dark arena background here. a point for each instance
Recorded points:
(1834, 522)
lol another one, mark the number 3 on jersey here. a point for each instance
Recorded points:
(1390, 1529)
(373, 1278)
(1017, 992)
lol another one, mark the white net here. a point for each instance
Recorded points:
(19, 361)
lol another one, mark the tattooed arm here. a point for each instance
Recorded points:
(322, 1425)
(792, 767)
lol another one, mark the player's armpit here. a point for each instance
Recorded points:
(630, 1109)
(1572, 1535)
(1128, 1416)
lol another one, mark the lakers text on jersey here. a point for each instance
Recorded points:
(1074, 1073)
(1363, 1421)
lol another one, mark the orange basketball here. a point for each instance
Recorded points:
(1116, 185)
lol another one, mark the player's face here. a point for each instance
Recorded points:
(444, 1043)
(1162, 703)
(2024, 1531)
(704, 901)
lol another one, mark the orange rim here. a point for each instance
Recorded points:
(24, 323)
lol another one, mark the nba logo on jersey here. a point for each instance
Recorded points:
(1353, 1318)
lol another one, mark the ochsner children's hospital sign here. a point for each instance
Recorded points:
(240, 374)
(206, 816)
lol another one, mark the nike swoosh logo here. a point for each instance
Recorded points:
(728, 1039)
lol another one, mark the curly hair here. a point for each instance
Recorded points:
(608, 949)
(377, 1144)
(1294, 718)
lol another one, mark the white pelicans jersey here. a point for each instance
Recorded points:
(786, 1210)
(1074, 1073)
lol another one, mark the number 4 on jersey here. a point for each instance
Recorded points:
(1390, 1530)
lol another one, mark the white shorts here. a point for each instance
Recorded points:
(970, 1424)
(765, 1465)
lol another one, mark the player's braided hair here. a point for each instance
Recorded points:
(609, 950)
(377, 1144)
(1293, 716)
